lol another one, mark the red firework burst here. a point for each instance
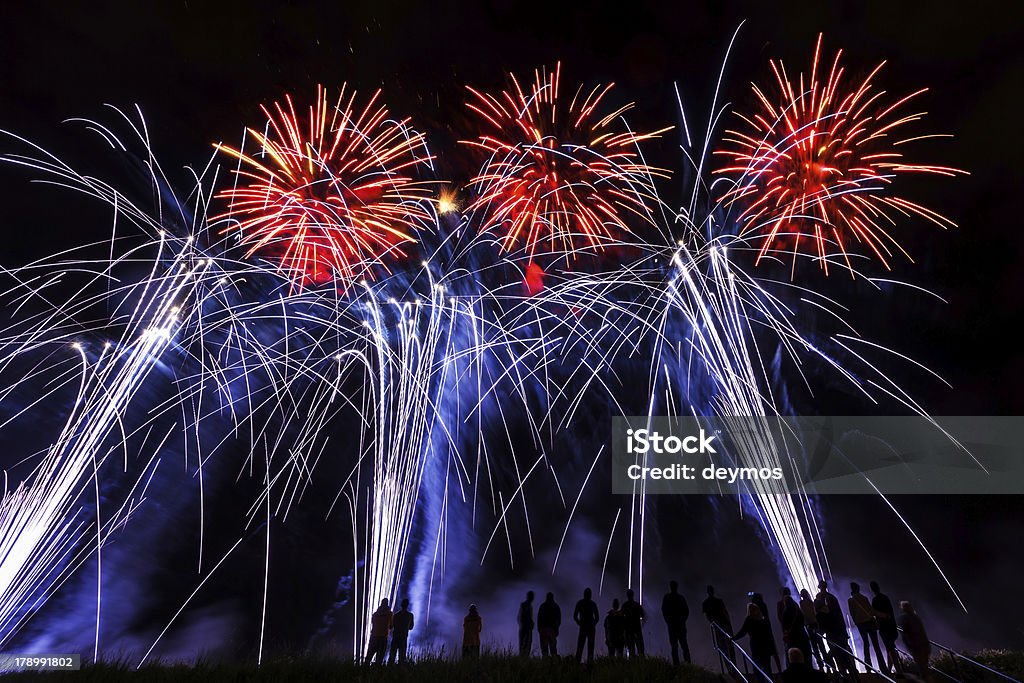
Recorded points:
(329, 196)
(816, 162)
(557, 177)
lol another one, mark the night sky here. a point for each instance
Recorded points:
(199, 74)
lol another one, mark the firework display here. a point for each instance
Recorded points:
(330, 195)
(814, 167)
(327, 274)
(563, 172)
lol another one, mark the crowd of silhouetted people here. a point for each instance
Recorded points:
(814, 631)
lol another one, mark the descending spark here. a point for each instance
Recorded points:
(179, 301)
(719, 317)
(556, 177)
(407, 366)
(330, 196)
(38, 531)
(695, 323)
(814, 168)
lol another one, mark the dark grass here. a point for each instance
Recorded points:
(489, 668)
(496, 668)
(1010, 662)
(437, 668)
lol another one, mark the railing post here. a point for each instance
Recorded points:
(714, 643)
(956, 663)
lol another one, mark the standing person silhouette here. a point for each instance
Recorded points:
(401, 624)
(833, 628)
(525, 619)
(791, 620)
(675, 611)
(549, 619)
(762, 643)
(615, 630)
(915, 637)
(472, 627)
(380, 627)
(885, 615)
(811, 624)
(758, 599)
(863, 616)
(634, 625)
(586, 617)
(718, 616)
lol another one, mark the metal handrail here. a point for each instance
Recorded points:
(743, 652)
(867, 666)
(723, 657)
(973, 662)
(721, 653)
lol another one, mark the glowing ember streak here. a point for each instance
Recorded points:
(555, 177)
(332, 195)
(39, 531)
(816, 164)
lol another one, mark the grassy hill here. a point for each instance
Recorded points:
(489, 668)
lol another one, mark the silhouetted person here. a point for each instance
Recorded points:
(811, 625)
(762, 644)
(833, 627)
(863, 617)
(823, 617)
(401, 624)
(799, 671)
(714, 609)
(634, 625)
(675, 611)
(549, 619)
(758, 599)
(472, 626)
(586, 617)
(885, 615)
(525, 619)
(915, 637)
(827, 609)
(380, 626)
(615, 630)
(791, 621)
